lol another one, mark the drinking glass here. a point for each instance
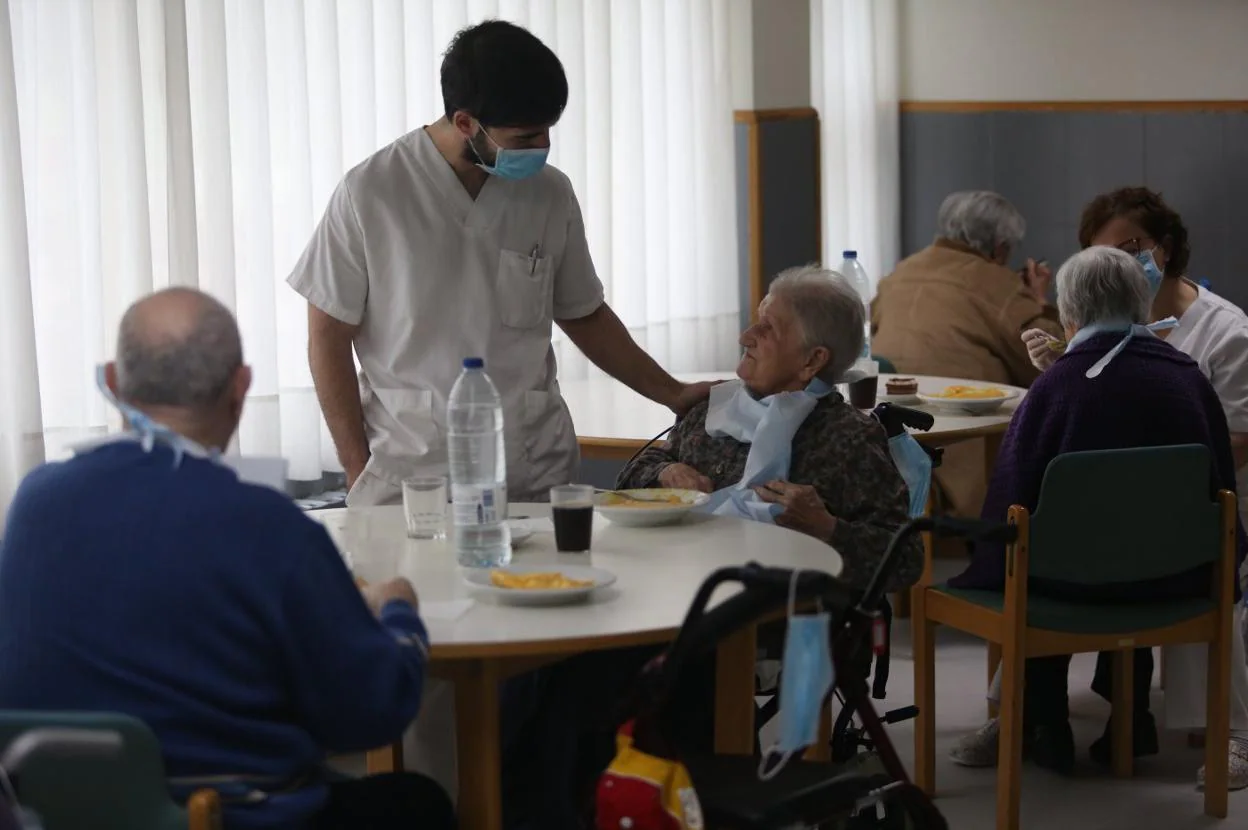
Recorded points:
(424, 507)
(863, 389)
(572, 512)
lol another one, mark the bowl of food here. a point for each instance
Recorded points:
(648, 508)
(538, 584)
(969, 400)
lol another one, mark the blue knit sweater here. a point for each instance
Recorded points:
(211, 609)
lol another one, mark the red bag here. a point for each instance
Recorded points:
(640, 791)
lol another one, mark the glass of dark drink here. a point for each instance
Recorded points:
(866, 385)
(572, 511)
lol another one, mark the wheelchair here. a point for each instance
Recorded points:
(866, 785)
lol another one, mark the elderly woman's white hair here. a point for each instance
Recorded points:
(829, 312)
(982, 220)
(1099, 285)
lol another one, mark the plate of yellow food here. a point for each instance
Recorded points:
(648, 508)
(539, 584)
(967, 399)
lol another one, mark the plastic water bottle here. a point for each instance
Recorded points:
(852, 270)
(478, 466)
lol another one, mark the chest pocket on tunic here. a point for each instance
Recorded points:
(523, 289)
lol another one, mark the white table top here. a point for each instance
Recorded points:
(658, 572)
(606, 410)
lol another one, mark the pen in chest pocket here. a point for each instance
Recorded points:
(534, 256)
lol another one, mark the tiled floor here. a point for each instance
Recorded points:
(1161, 796)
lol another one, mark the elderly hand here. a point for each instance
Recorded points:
(1040, 351)
(383, 592)
(1038, 277)
(684, 477)
(803, 509)
(689, 396)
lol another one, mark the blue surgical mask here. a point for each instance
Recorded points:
(915, 467)
(807, 675)
(1151, 272)
(147, 430)
(512, 164)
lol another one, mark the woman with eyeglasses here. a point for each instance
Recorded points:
(1214, 333)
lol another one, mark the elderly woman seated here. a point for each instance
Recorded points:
(823, 466)
(1147, 393)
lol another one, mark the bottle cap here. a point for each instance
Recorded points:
(849, 254)
(474, 363)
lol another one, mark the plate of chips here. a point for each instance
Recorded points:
(648, 508)
(969, 400)
(539, 584)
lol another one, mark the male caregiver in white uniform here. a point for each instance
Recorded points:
(458, 240)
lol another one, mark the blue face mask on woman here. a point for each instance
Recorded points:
(1151, 272)
(512, 164)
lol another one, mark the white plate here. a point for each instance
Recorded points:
(520, 532)
(900, 400)
(632, 514)
(479, 579)
(968, 406)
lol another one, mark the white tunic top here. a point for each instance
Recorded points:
(1214, 333)
(432, 276)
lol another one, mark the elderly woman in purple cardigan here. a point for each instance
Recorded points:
(1118, 385)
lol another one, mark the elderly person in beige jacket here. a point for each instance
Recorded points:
(955, 309)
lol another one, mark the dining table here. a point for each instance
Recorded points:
(613, 422)
(478, 640)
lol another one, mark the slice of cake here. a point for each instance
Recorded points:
(901, 386)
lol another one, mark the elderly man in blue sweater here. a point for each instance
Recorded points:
(141, 576)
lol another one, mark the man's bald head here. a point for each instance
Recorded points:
(177, 348)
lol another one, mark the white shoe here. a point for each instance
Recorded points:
(979, 749)
(1237, 768)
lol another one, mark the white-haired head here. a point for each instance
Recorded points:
(981, 220)
(1101, 285)
(828, 311)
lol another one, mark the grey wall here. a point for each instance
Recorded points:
(788, 218)
(788, 162)
(741, 141)
(1051, 163)
(597, 473)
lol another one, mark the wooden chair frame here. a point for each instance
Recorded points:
(203, 810)
(1011, 641)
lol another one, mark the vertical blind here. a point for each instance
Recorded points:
(148, 143)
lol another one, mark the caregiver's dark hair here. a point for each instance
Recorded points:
(503, 76)
(1145, 208)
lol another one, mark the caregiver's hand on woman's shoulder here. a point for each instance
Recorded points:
(804, 511)
(684, 477)
(689, 396)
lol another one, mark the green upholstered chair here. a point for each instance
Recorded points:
(1103, 517)
(97, 771)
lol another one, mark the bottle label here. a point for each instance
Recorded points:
(474, 505)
